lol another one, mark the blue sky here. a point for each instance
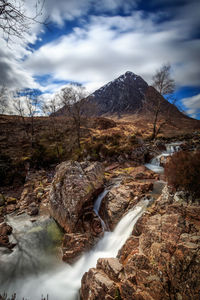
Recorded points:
(93, 42)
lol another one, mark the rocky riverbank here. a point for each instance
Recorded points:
(160, 260)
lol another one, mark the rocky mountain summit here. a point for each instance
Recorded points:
(130, 94)
(124, 94)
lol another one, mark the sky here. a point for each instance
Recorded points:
(93, 42)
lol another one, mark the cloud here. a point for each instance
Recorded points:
(192, 105)
(12, 74)
(61, 10)
(108, 46)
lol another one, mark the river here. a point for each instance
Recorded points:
(34, 268)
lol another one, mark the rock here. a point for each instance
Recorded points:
(36, 190)
(33, 211)
(160, 260)
(111, 266)
(111, 167)
(120, 199)
(11, 200)
(96, 285)
(139, 153)
(103, 123)
(2, 200)
(75, 244)
(160, 145)
(180, 196)
(10, 208)
(114, 205)
(5, 231)
(72, 191)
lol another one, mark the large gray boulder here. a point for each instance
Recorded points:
(73, 192)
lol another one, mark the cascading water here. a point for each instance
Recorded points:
(154, 164)
(63, 282)
(97, 205)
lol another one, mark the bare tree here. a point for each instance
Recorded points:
(26, 103)
(32, 103)
(165, 85)
(50, 108)
(3, 100)
(73, 99)
(15, 21)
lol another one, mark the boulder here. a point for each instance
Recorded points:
(120, 199)
(72, 193)
(33, 210)
(75, 244)
(96, 285)
(5, 231)
(114, 205)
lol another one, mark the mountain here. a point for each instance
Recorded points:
(130, 94)
(124, 94)
(130, 97)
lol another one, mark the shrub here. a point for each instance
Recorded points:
(183, 172)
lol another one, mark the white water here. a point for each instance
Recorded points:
(97, 205)
(63, 283)
(154, 164)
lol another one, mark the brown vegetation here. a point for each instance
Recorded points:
(55, 140)
(183, 170)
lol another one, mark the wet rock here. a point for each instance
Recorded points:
(121, 198)
(111, 266)
(160, 260)
(10, 208)
(5, 231)
(114, 205)
(96, 285)
(33, 211)
(75, 244)
(73, 189)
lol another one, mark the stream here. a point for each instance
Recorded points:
(155, 163)
(34, 268)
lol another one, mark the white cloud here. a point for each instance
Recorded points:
(109, 46)
(192, 105)
(61, 10)
(12, 73)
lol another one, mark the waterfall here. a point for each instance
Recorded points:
(97, 205)
(154, 164)
(63, 282)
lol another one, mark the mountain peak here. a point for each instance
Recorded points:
(124, 93)
(129, 73)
